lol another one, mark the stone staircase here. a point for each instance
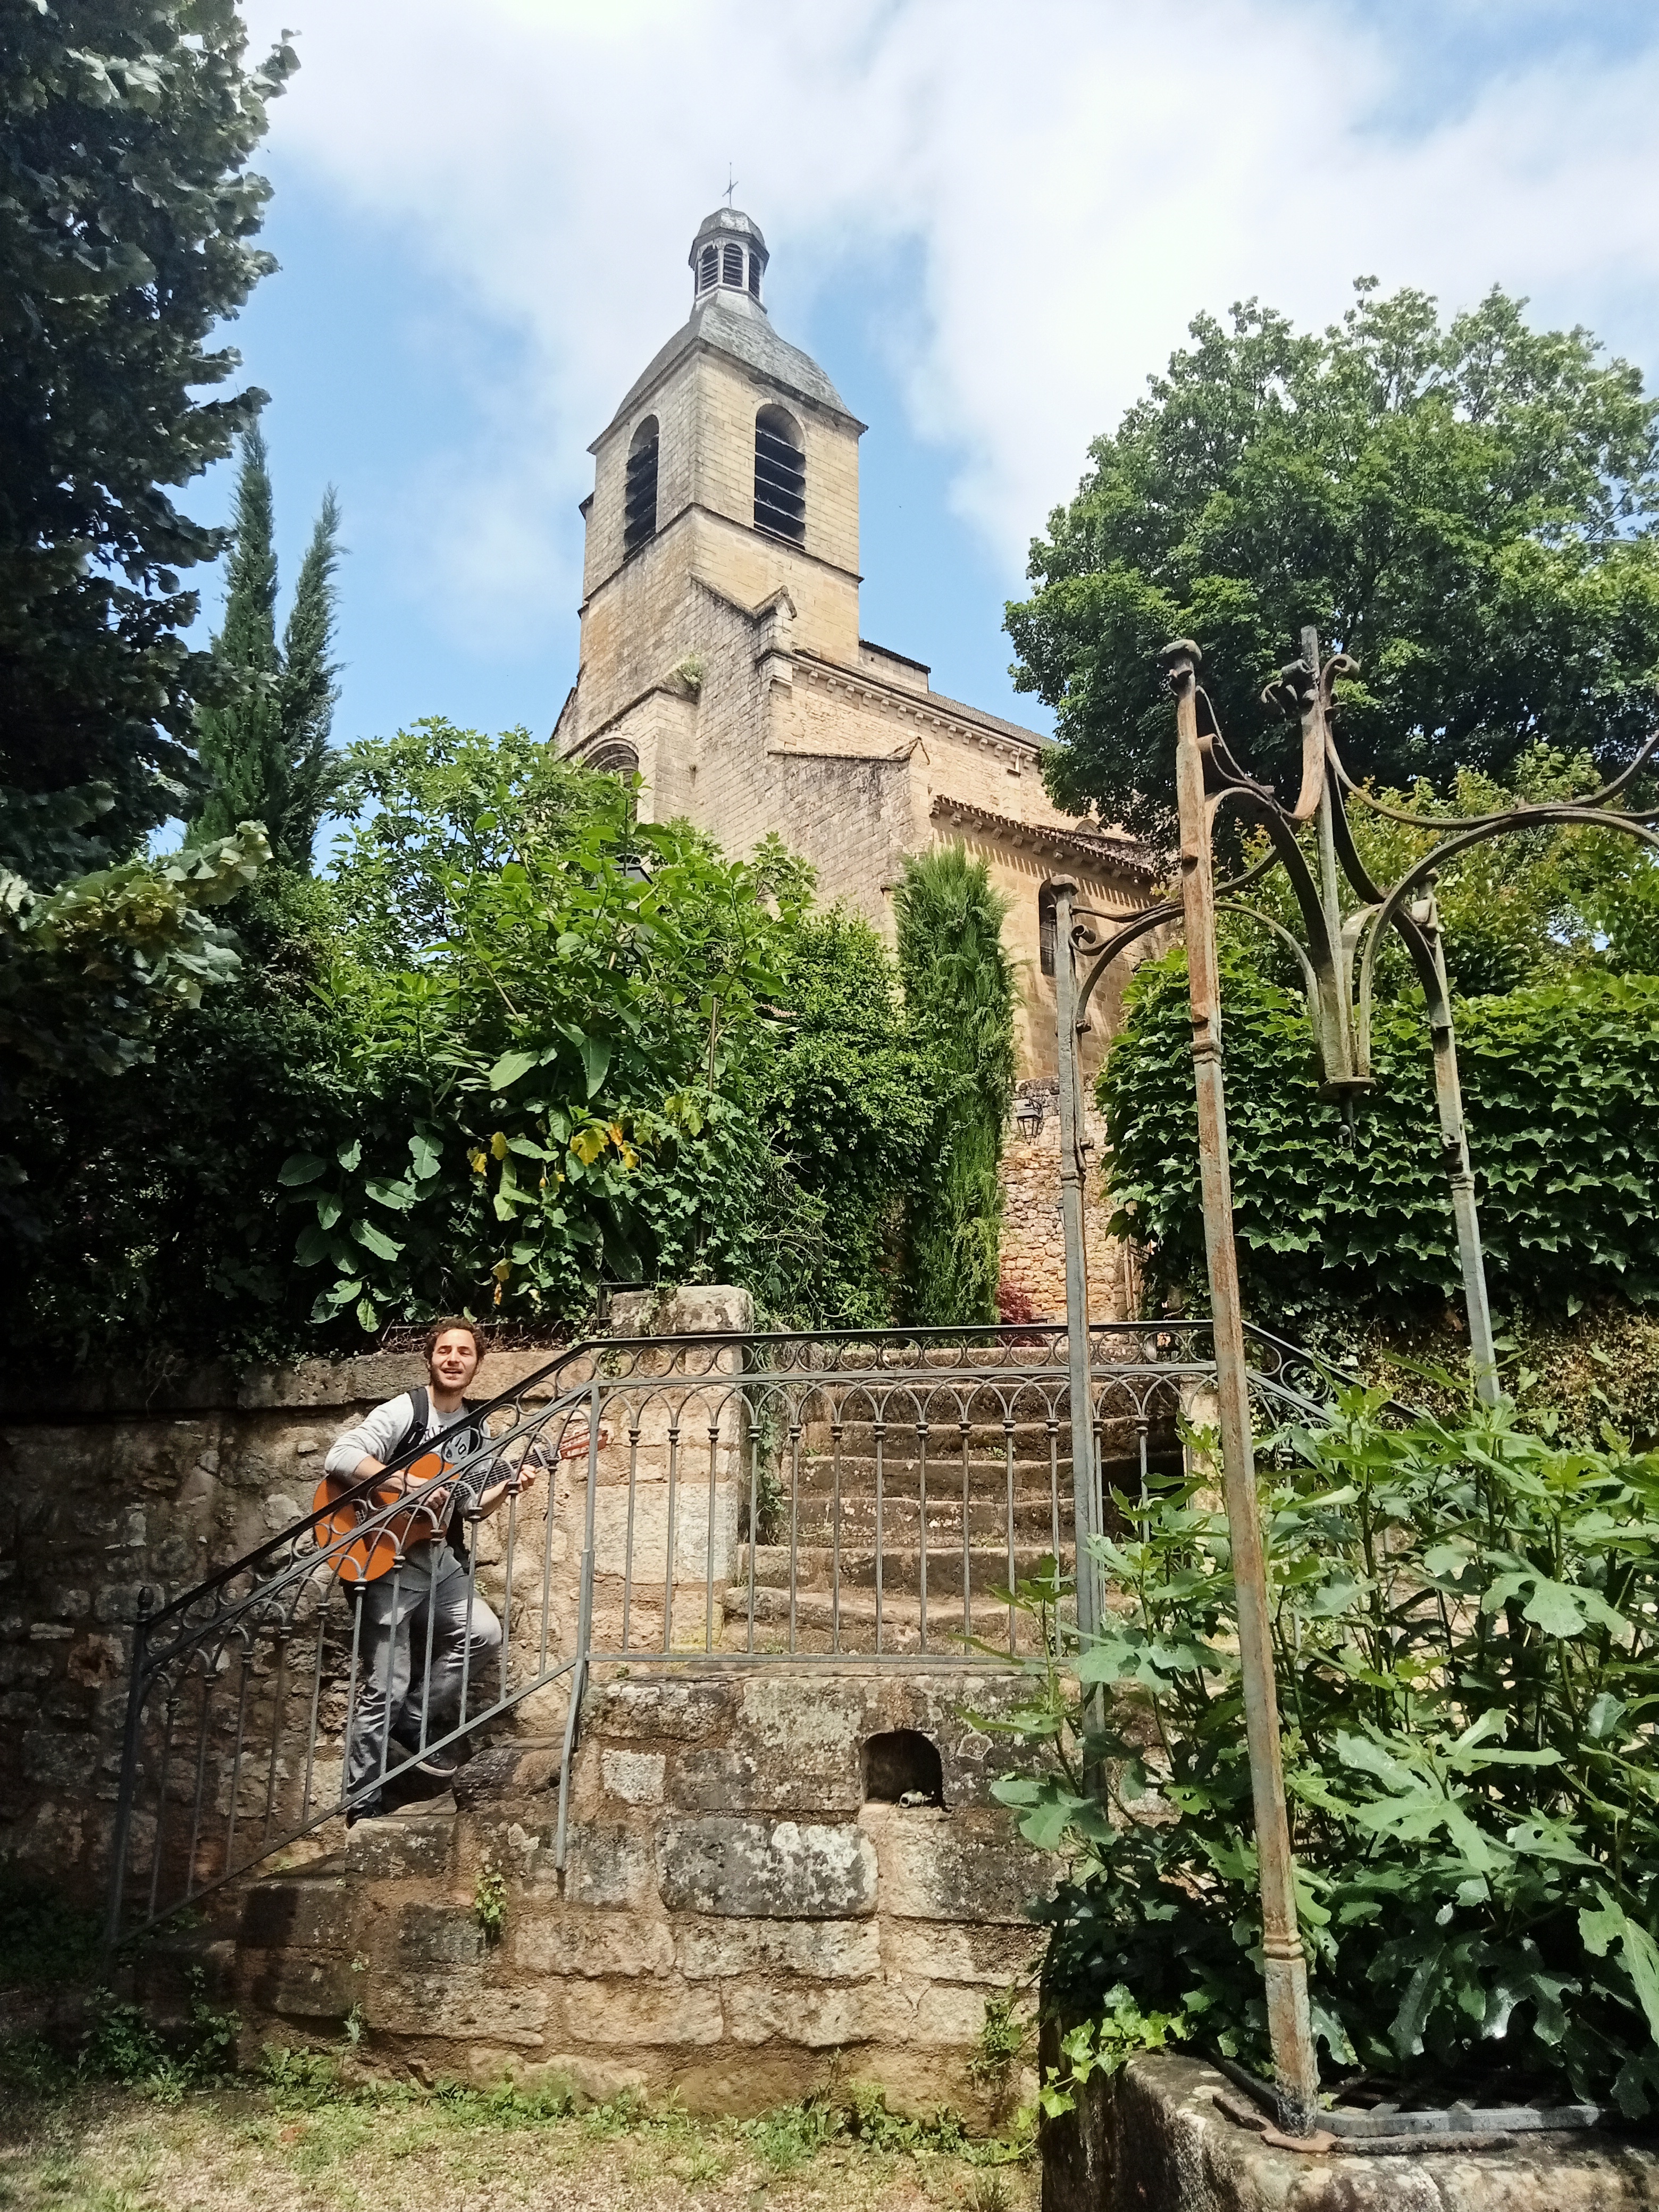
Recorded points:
(892, 1541)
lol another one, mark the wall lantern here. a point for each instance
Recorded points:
(1028, 1116)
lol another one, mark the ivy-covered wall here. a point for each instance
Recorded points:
(1561, 1093)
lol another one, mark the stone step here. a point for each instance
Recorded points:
(1029, 1437)
(987, 1478)
(901, 1568)
(822, 1624)
(816, 1520)
(1027, 1441)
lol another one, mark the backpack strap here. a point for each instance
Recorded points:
(421, 1401)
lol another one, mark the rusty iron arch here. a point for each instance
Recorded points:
(1338, 966)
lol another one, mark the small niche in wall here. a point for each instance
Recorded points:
(902, 1767)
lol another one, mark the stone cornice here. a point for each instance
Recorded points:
(1087, 846)
(925, 708)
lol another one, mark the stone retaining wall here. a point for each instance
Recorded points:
(735, 1917)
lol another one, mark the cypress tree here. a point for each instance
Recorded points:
(959, 988)
(266, 749)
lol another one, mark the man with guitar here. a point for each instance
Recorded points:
(438, 1609)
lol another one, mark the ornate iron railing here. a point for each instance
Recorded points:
(774, 1499)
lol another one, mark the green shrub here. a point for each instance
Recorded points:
(1466, 1641)
(1561, 1092)
(959, 994)
(517, 1046)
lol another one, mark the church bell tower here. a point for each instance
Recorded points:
(730, 468)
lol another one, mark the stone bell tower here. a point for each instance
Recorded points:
(721, 662)
(731, 468)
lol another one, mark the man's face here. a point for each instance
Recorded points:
(454, 1359)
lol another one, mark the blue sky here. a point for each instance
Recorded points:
(989, 225)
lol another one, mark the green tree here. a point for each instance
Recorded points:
(265, 748)
(127, 215)
(1468, 509)
(958, 992)
(1534, 907)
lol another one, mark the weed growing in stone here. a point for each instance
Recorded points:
(489, 1901)
(1002, 2040)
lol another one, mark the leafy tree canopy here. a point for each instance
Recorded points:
(1534, 907)
(1467, 507)
(126, 220)
(514, 1044)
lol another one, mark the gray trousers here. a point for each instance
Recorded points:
(395, 1691)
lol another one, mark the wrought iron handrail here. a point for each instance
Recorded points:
(911, 1473)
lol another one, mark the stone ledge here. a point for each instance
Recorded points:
(1168, 2147)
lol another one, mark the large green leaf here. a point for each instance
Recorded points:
(596, 1060)
(375, 1240)
(510, 1067)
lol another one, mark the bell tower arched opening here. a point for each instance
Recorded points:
(779, 474)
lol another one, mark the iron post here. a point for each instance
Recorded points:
(1285, 1968)
(1460, 1174)
(1064, 889)
(122, 1839)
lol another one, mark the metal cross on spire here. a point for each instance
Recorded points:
(731, 185)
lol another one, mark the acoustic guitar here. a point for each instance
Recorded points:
(344, 1506)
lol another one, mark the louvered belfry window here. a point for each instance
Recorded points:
(732, 272)
(753, 275)
(779, 477)
(708, 266)
(639, 497)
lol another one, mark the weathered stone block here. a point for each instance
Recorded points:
(608, 1864)
(925, 1951)
(305, 1988)
(302, 1914)
(383, 1850)
(592, 1945)
(766, 1869)
(665, 2012)
(61, 1762)
(459, 2005)
(1168, 2145)
(635, 1776)
(958, 1867)
(816, 1950)
(439, 1935)
(819, 2020)
(705, 1543)
(685, 1711)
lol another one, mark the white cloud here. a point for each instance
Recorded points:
(1073, 178)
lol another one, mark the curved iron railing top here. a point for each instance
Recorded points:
(560, 1385)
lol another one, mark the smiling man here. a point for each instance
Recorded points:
(429, 1609)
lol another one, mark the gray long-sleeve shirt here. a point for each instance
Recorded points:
(378, 1436)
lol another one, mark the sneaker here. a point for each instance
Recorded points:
(436, 1766)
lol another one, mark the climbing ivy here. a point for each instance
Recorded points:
(1561, 1093)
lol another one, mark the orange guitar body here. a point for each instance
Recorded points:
(375, 1553)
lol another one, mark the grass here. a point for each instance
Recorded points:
(305, 2135)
